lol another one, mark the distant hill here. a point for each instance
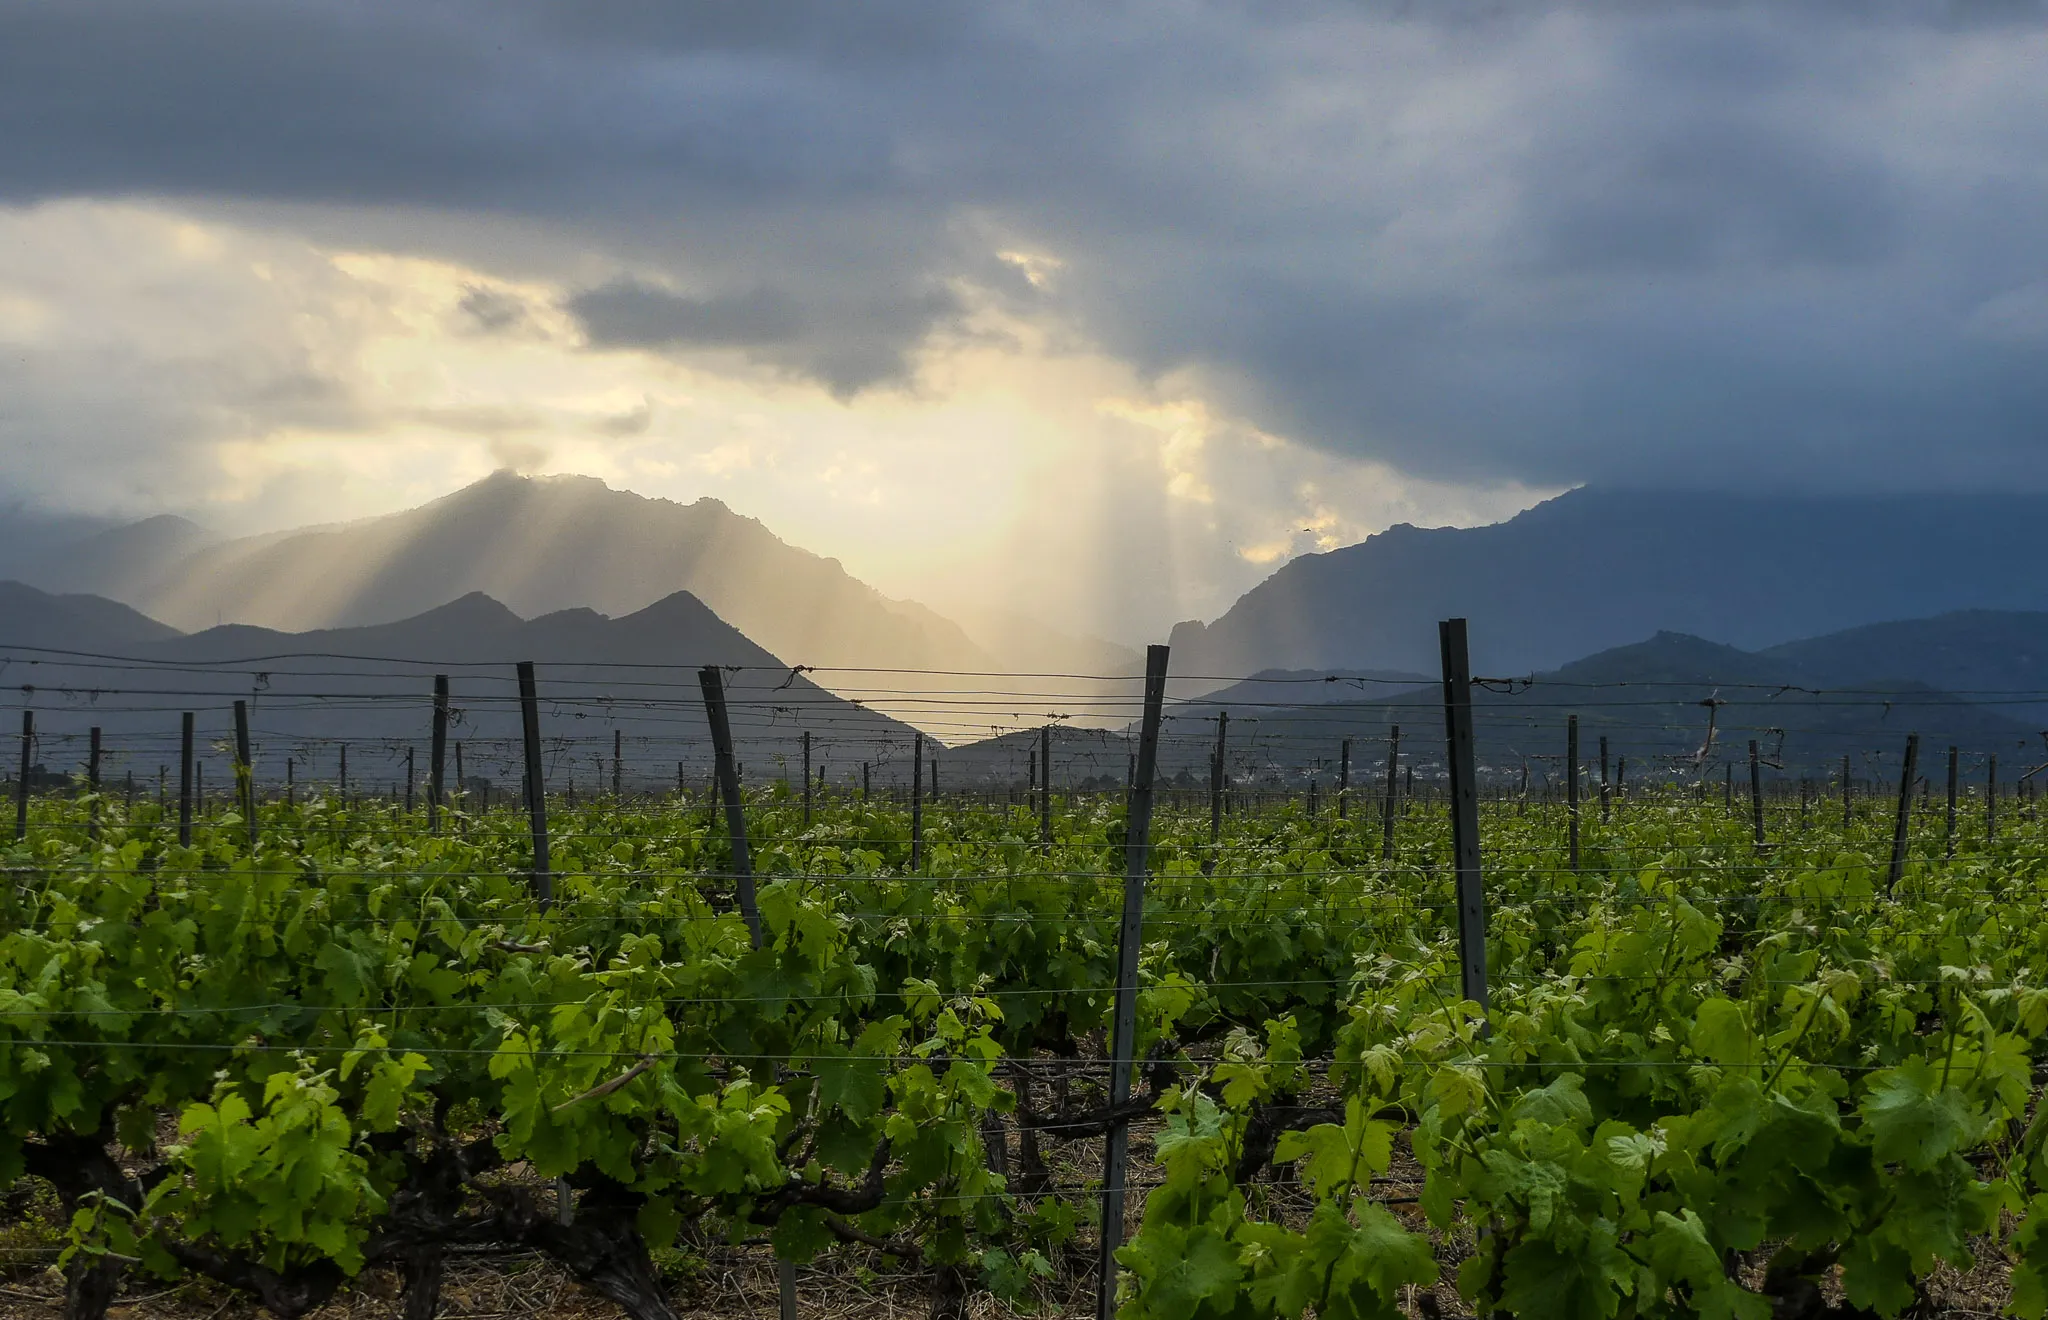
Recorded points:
(29, 535)
(80, 660)
(547, 544)
(1653, 700)
(1593, 569)
(311, 692)
(29, 617)
(1314, 686)
(135, 561)
(1994, 656)
(539, 544)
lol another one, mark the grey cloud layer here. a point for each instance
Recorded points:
(1715, 243)
(628, 312)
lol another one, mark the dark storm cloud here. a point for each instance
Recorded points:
(631, 314)
(494, 311)
(1715, 243)
(767, 323)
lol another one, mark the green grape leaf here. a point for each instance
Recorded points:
(1457, 1089)
(349, 977)
(2029, 1249)
(1284, 1280)
(1721, 1032)
(856, 1086)
(1190, 1137)
(1680, 1251)
(1242, 1083)
(846, 1146)
(1178, 1270)
(1539, 1185)
(2006, 1066)
(1877, 1275)
(659, 1220)
(390, 1080)
(1439, 1198)
(1327, 1153)
(1010, 1276)
(801, 1234)
(1561, 1104)
(1725, 1124)
(1542, 1281)
(1935, 1214)
(1366, 1264)
(1914, 1120)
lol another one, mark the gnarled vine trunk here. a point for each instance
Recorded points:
(603, 1248)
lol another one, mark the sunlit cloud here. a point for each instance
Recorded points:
(256, 380)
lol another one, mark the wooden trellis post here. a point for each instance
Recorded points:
(1123, 1038)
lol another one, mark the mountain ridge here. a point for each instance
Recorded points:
(537, 545)
(1591, 569)
(1675, 701)
(1984, 652)
(1806, 701)
(310, 693)
(74, 620)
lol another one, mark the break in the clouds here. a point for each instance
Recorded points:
(1435, 257)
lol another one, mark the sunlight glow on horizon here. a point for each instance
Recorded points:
(1017, 466)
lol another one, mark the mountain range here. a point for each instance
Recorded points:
(1811, 587)
(1674, 704)
(1593, 569)
(546, 544)
(537, 544)
(81, 662)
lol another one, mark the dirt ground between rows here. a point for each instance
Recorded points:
(739, 1284)
(719, 1281)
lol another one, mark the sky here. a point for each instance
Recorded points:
(1098, 311)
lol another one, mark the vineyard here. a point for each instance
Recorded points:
(1699, 1053)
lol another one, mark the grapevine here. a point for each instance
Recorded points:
(1711, 1080)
